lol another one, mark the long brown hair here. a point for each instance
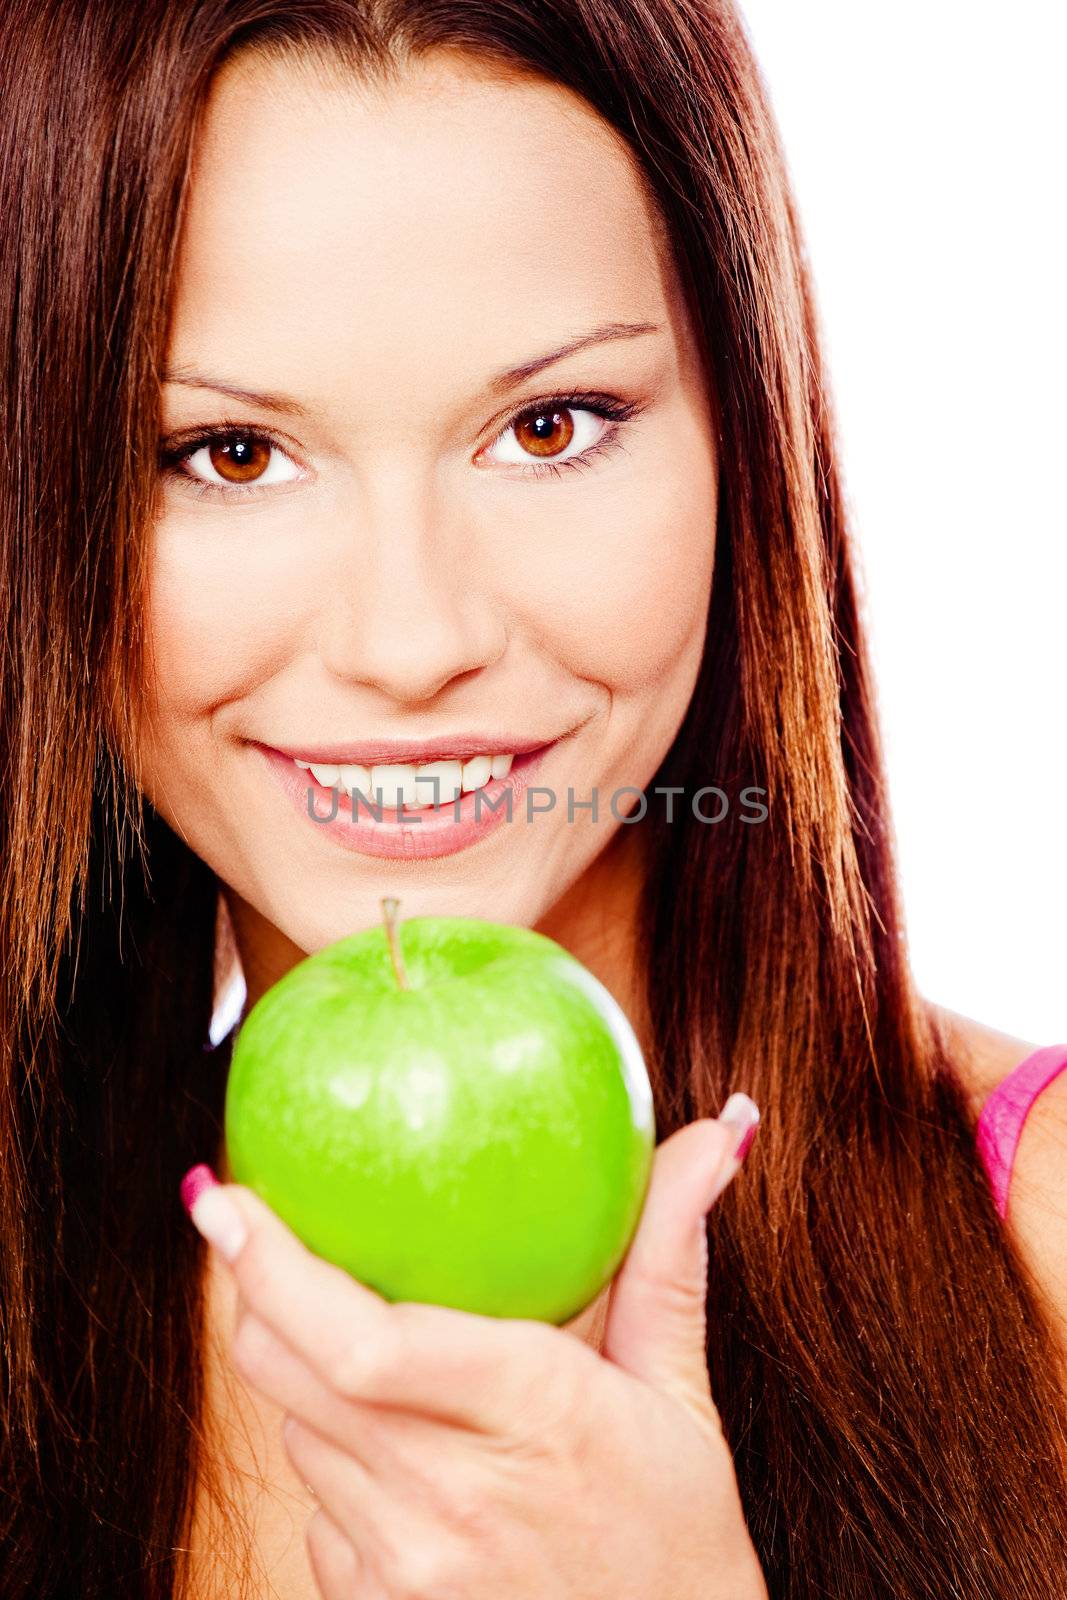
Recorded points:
(881, 1359)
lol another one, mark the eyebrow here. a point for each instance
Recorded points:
(602, 334)
(187, 378)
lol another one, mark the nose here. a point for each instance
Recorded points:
(404, 610)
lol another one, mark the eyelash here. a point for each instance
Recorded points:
(617, 412)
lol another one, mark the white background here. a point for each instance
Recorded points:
(926, 147)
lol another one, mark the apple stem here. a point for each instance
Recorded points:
(389, 910)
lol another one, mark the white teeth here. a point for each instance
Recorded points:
(406, 786)
(476, 773)
(449, 775)
(325, 775)
(397, 786)
(356, 777)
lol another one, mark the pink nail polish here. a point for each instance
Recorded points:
(746, 1142)
(742, 1113)
(196, 1180)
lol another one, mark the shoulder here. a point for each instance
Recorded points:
(1037, 1199)
(984, 1056)
(1037, 1206)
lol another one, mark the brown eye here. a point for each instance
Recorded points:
(230, 462)
(565, 431)
(240, 460)
(544, 433)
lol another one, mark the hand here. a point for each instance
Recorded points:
(455, 1455)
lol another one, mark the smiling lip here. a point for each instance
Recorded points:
(403, 834)
(451, 747)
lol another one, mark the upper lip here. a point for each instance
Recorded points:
(450, 747)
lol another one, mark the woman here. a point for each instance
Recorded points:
(296, 477)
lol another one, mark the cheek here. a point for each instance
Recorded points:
(618, 582)
(220, 615)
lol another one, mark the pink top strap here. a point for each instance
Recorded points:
(1000, 1122)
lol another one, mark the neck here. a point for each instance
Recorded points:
(596, 920)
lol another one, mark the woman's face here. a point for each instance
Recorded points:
(412, 539)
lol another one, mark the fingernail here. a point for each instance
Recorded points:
(196, 1180)
(213, 1213)
(741, 1113)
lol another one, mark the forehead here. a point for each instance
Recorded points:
(458, 214)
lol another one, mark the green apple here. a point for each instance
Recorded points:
(456, 1111)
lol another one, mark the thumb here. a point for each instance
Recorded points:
(656, 1325)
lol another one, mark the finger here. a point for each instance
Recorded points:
(462, 1368)
(408, 1551)
(383, 1441)
(282, 1376)
(339, 1481)
(337, 1565)
(656, 1323)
